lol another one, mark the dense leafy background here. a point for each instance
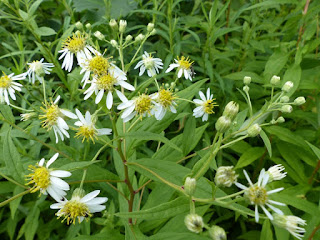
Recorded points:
(227, 40)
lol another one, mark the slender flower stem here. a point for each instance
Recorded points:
(14, 197)
(230, 196)
(44, 92)
(13, 181)
(133, 124)
(19, 108)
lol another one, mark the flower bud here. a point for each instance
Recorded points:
(27, 116)
(291, 223)
(88, 26)
(79, 25)
(222, 124)
(231, 110)
(129, 38)
(247, 80)
(153, 32)
(254, 130)
(281, 120)
(284, 99)
(190, 185)
(78, 192)
(167, 85)
(176, 89)
(217, 233)
(246, 88)
(78, 33)
(299, 101)
(150, 27)
(113, 24)
(225, 176)
(139, 38)
(122, 26)
(273, 121)
(287, 86)
(99, 35)
(286, 109)
(276, 173)
(173, 85)
(114, 43)
(275, 80)
(194, 223)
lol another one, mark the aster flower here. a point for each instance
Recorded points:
(37, 69)
(47, 180)
(163, 100)
(87, 129)
(258, 195)
(80, 206)
(152, 65)
(276, 173)
(106, 83)
(291, 224)
(140, 105)
(205, 105)
(184, 66)
(8, 86)
(53, 118)
(75, 45)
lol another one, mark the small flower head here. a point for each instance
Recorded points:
(113, 24)
(114, 43)
(225, 176)
(217, 233)
(246, 88)
(291, 223)
(129, 38)
(299, 101)
(88, 26)
(164, 99)
(275, 80)
(281, 120)
(284, 99)
(286, 108)
(122, 26)
(287, 86)
(143, 104)
(194, 223)
(47, 180)
(99, 35)
(231, 110)
(190, 185)
(8, 86)
(276, 173)
(37, 69)
(150, 27)
(140, 37)
(76, 43)
(254, 130)
(152, 65)
(184, 66)
(223, 123)
(98, 65)
(79, 25)
(205, 105)
(27, 116)
(247, 80)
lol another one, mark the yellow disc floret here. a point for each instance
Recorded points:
(143, 104)
(99, 65)
(50, 116)
(184, 63)
(86, 132)
(257, 195)
(106, 82)
(76, 43)
(5, 81)
(40, 177)
(74, 209)
(208, 106)
(165, 97)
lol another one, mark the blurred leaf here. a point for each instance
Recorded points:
(249, 156)
(45, 31)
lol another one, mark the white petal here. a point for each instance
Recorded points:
(202, 96)
(275, 190)
(121, 96)
(90, 196)
(247, 177)
(256, 213)
(104, 131)
(267, 212)
(41, 162)
(52, 159)
(277, 210)
(80, 116)
(60, 173)
(126, 85)
(59, 183)
(180, 72)
(68, 114)
(96, 208)
(99, 96)
(97, 201)
(109, 100)
(54, 194)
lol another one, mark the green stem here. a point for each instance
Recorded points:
(13, 181)
(230, 196)
(14, 197)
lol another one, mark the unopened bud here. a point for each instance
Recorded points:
(78, 33)
(254, 130)
(284, 99)
(79, 25)
(222, 124)
(194, 223)
(167, 85)
(286, 109)
(114, 43)
(150, 27)
(140, 37)
(27, 116)
(275, 80)
(246, 88)
(153, 32)
(129, 38)
(217, 233)
(99, 35)
(225, 176)
(122, 26)
(176, 89)
(247, 80)
(113, 24)
(231, 110)
(88, 26)
(276, 173)
(299, 101)
(287, 86)
(281, 120)
(190, 185)
(173, 85)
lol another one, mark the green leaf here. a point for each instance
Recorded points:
(249, 156)
(266, 233)
(188, 134)
(32, 222)
(24, 15)
(45, 31)
(15, 203)
(275, 64)
(34, 7)
(266, 141)
(177, 236)
(77, 165)
(314, 149)
(7, 112)
(80, 5)
(293, 74)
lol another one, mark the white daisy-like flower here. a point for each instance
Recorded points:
(184, 66)
(87, 129)
(37, 69)
(140, 105)
(152, 65)
(163, 100)
(291, 224)
(106, 83)
(75, 45)
(205, 105)
(53, 118)
(8, 86)
(276, 173)
(258, 195)
(79, 207)
(47, 180)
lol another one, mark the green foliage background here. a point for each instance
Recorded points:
(227, 40)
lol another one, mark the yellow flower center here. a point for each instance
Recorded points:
(257, 195)
(74, 209)
(165, 97)
(148, 62)
(184, 63)
(37, 68)
(75, 43)
(208, 106)
(5, 82)
(86, 132)
(143, 104)
(99, 65)
(106, 82)
(40, 178)
(50, 116)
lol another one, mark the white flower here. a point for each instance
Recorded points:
(100, 84)
(8, 86)
(184, 66)
(291, 224)
(47, 180)
(276, 172)
(141, 105)
(53, 118)
(206, 105)
(75, 45)
(152, 65)
(37, 69)
(79, 207)
(87, 129)
(163, 100)
(258, 195)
